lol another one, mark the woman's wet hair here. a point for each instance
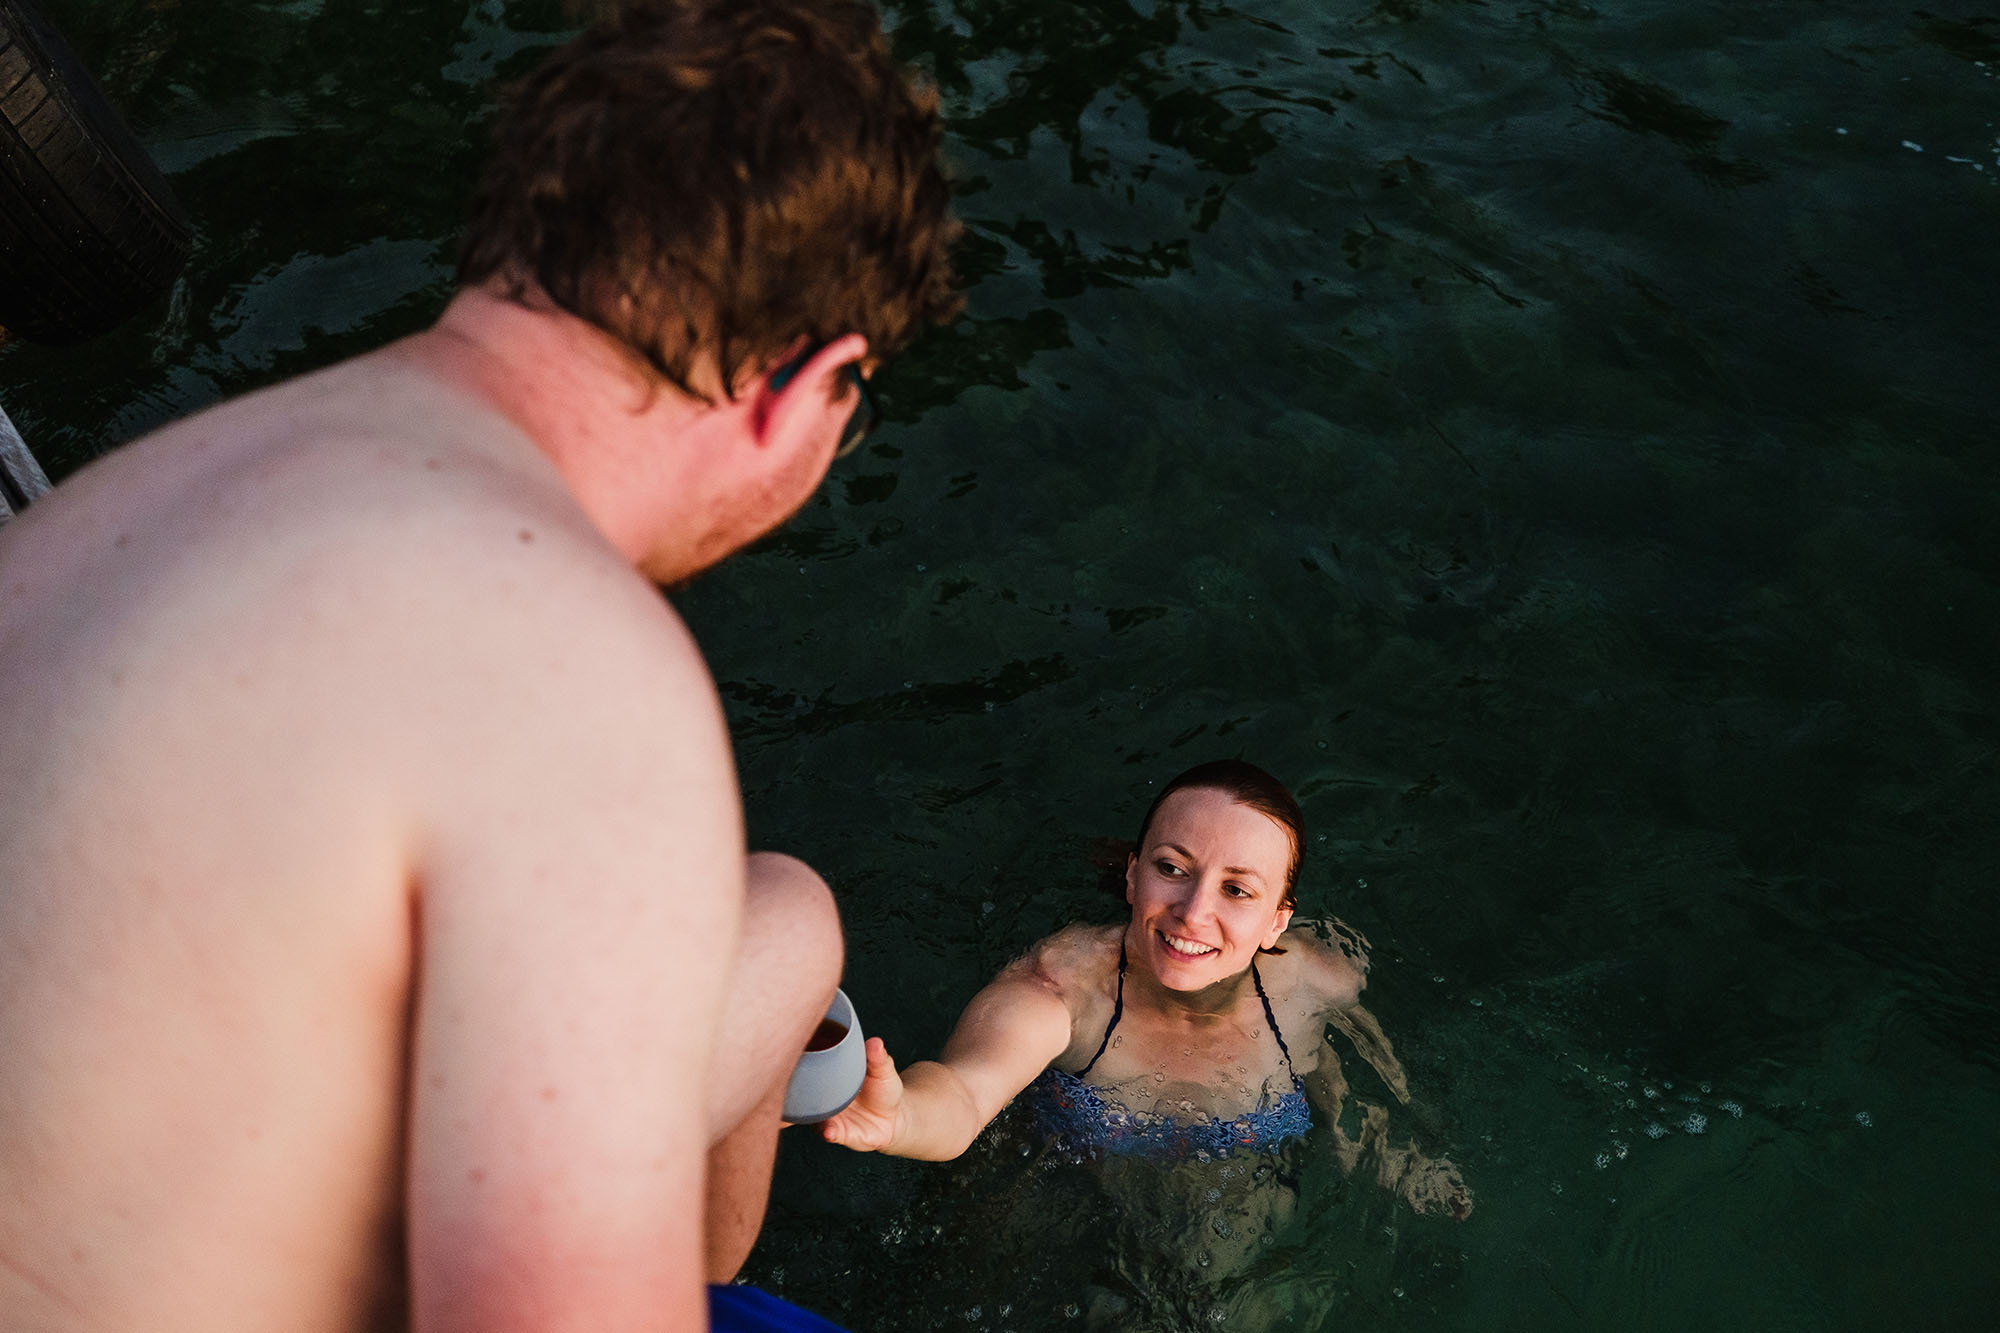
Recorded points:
(732, 178)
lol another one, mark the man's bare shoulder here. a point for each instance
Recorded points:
(402, 563)
(530, 620)
(435, 513)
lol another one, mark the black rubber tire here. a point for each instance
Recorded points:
(89, 230)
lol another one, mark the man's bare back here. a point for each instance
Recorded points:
(241, 777)
(377, 937)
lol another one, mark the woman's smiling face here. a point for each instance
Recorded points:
(1207, 888)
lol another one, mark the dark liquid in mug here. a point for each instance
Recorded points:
(827, 1035)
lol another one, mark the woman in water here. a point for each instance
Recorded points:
(1196, 1030)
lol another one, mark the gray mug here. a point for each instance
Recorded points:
(825, 1081)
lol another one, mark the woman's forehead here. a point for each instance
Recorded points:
(1211, 824)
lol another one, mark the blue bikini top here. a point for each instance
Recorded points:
(1076, 1118)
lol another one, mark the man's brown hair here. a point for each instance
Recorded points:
(734, 177)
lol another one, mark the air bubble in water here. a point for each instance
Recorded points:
(1695, 1124)
(1656, 1131)
(1735, 1111)
(1863, 1119)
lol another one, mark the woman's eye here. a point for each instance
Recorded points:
(1167, 868)
(1236, 890)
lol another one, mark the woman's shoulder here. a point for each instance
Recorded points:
(1075, 964)
(1325, 962)
(1075, 956)
(1074, 968)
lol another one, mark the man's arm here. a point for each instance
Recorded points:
(576, 908)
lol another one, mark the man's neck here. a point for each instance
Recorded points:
(620, 441)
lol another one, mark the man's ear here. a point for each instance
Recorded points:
(794, 415)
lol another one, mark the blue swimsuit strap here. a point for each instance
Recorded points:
(1272, 1019)
(1118, 1011)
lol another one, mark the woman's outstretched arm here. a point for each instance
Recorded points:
(934, 1109)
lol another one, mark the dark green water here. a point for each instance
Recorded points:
(1557, 438)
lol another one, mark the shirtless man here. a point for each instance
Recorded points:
(377, 935)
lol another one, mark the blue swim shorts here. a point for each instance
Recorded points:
(748, 1310)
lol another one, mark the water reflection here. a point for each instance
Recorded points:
(1147, 130)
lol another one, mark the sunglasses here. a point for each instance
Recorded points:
(866, 413)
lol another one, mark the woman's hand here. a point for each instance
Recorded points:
(1434, 1185)
(870, 1121)
(933, 1109)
